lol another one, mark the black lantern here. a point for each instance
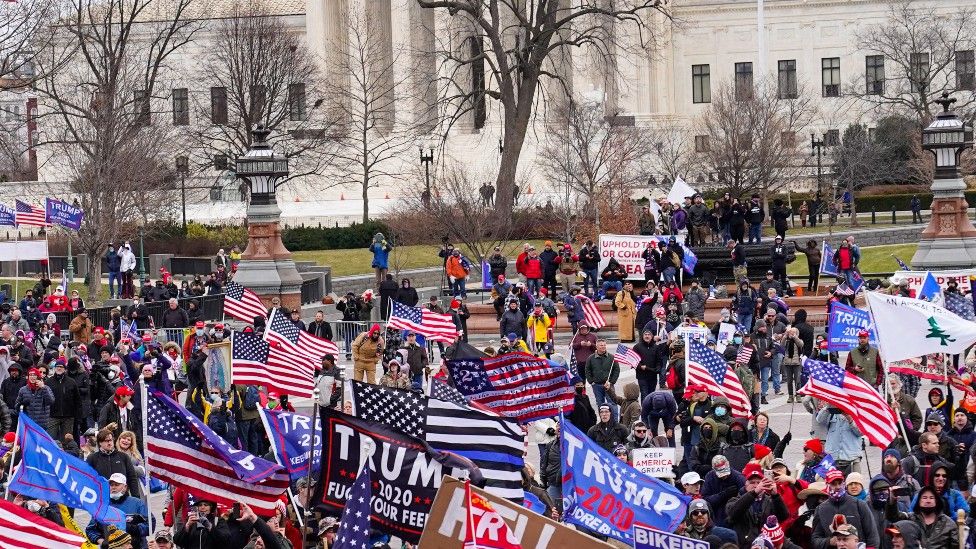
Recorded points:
(261, 169)
(947, 137)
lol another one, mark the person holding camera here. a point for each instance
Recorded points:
(201, 530)
(135, 511)
(757, 501)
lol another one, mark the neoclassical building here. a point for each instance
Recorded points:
(800, 46)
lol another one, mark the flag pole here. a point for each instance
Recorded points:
(10, 470)
(311, 449)
(145, 447)
(884, 373)
(17, 265)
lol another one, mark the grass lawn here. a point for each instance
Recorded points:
(876, 259)
(842, 226)
(28, 283)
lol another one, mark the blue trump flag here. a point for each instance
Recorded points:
(843, 326)
(64, 214)
(47, 472)
(607, 496)
(290, 435)
(827, 266)
(826, 464)
(7, 216)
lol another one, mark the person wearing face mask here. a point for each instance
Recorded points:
(134, 509)
(929, 514)
(839, 502)
(582, 417)
(721, 414)
(36, 398)
(138, 313)
(711, 444)
(739, 450)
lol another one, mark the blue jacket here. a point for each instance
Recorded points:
(37, 403)
(114, 261)
(574, 309)
(718, 491)
(381, 255)
(129, 506)
(954, 501)
(843, 438)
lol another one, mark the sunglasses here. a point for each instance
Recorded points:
(698, 513)
(640, 430)
(941, 475)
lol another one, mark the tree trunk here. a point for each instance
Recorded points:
(850, 190)
(94, 274)
(366, 199)
(516, 122)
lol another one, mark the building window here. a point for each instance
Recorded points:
(143, 116)
(701, 84)
(181, 107)
(220, 161)
(874, 75)
(259, 95)
(701, 143)
(182, 165)
(218, 105)
(743, 81)
(787, 79)
(832, 138)
(296, 102)
(787, 140)
(919, 71)
(965, 70)
(830, 70)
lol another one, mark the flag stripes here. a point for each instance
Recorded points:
(242, 304)
(21, 529)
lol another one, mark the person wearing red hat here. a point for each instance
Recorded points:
(367, 348)
(856, 512)
(538, 327)
(36, 398)
(122, 413)
(748, 512)
(864, 361)
(813, 452)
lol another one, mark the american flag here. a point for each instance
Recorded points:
(434, 326)
(353, 532)
(242, 304)
(861, 402)
(591, 313)
(744, 354)
(901, 263)
(960, 305)
(707, 367)
(495, 444)
(31, 216)
(626, 355)
(844, 289)
(185, 453)
(258, 362)
(284, 331)
(517, 385)
(21, 529)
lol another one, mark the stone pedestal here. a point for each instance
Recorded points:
(949, 240)
(266, 266)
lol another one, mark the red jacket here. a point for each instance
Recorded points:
(520, 263)
(533, 267)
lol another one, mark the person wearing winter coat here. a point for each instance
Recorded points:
(533, 271)
(108, 460)
(406, 295)
(613, 276)
(548, 258)
(583, 344)
(695, 300)
(367, 349)
(843, 438)
(630, 405)
(81, 327)
(755, 215)
(537, 328)
(550, 469)
(66, 408)
(512, 321)
(582, 417)
(721, 484)
(839, 502)
(757, 501)
(123, 414)
(10, 387)
(938, 476)
(394, 377)
(760, 433)
(649, 367)
(574, 309)
(388, 290)
(497, 264)
(607, 433)
(739, 450)
(929, 514)
(626, 304)
(710, 445)
(692, 412)
(660, 407)
(638, 437)
(380, 249)
(36, 398)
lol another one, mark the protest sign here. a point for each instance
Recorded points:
(627, 249)
(605, 495)
(290, 435)
(725, 332)
(649, 538)
(654, 462)
(843, 326)
(917, 278)
(48, 473)
(448, 519)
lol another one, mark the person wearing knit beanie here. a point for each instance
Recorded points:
(119, 539)
(773, 532)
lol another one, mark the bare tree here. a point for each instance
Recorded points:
(370, 140)
(25, 31)
(674, 152)
(97, 112)
(521, 48)
(919, 47)
(596, 158)
(752, 138)
(259, 72)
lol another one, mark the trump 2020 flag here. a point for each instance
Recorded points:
(605, 495)
(827, 260)
(47, 472)
(64, 214)
(909, 328)
(290, 435)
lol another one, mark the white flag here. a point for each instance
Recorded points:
(679, 191)
(909, 328)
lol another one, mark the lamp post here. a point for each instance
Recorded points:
(949, 240)
(71, 261)
(266, 266)
(183, 168)
(142, 254)
(426, 160)
(816, 149)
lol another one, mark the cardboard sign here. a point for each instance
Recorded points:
(647, 538)
(448, 518)
(726, 331)
(654, 462)
(917, 278)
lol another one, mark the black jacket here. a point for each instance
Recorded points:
(755, 214)
(649, 364)
(608, 435)
(582, 417)
(320, 329)
(175, 318)
(747, 522)
(67, 399)
(407, 296)
(10, 387)
(116, 462)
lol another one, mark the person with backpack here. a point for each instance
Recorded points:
(249, 428)
(660, 407)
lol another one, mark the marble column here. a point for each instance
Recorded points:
(380, 30)
(423, 58)
(336, 21)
